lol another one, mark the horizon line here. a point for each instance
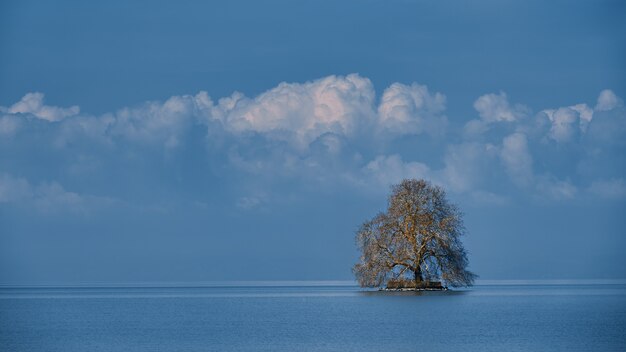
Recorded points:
(293, 283)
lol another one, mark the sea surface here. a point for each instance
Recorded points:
(315, 316)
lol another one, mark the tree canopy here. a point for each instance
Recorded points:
(418, 237)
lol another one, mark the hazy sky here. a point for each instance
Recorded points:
(179, 141)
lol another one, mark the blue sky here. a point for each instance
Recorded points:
(159, 141)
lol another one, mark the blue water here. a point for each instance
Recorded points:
(314, 317)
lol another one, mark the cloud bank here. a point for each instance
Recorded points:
(327, 134)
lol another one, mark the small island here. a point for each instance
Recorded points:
(412, 285)
(416, 244)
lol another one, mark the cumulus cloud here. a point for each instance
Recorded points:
(33, 103)
(162, 122)
(585, 114)
(607, 100)
(465, 165)
(412, 109)
(517, 159)
(296, 113)
(329, 131)
(387, 170)
(462, 172)
(607, 129)
(494, 108)
(152, 122)
(300, 113)
(567, 124)
(465, 171)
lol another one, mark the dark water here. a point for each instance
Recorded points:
(314, 317)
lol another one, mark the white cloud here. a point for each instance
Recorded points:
(565, 124)
(33, 103)
(324, 131)
(411, 110)
(585, 114)
(297, 113)
(330, 143)
(518, 163)
(387, 170)
(494, 108)
(162, 122)
(464, 172)
(465, 165)
(475, 127)
(607, 100)
(97, 130)
(152, 122)
(300, 113)
(517, 159)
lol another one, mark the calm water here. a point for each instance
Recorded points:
(314, 317)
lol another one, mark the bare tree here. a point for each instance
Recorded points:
(417, 237)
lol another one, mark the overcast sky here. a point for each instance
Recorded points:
(177, 141)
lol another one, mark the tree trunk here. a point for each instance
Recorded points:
(418, 275)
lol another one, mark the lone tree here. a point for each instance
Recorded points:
(417, 238)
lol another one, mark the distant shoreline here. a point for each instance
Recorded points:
(409, 289)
